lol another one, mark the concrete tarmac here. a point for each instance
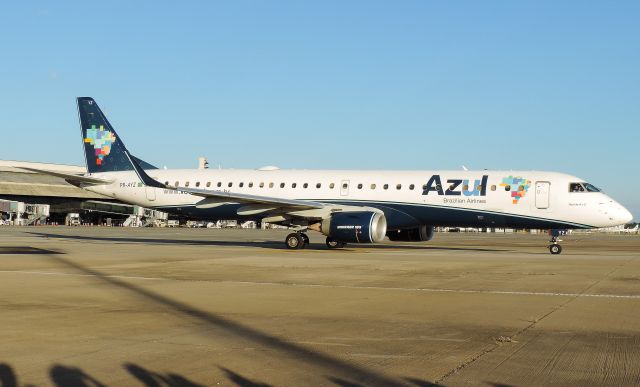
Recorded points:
(178, 307)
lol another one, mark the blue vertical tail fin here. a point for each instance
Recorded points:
(103, 148)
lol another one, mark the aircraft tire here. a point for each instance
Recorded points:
(555, 249)
(305, 238)
(294, 241)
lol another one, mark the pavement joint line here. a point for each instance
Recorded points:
(522, 331)
(52, 273)
(426, 290)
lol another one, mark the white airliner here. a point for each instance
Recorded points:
(346, 206)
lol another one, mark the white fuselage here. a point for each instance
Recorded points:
(439, 198)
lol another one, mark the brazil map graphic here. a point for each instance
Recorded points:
(518, 187)
(101, 140)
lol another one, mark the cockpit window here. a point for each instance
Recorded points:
(576, 187)
(582, 187)
(591, 187)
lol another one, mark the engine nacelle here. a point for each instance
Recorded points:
(419, 234)
(355, 227)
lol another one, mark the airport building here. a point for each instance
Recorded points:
(28, 198)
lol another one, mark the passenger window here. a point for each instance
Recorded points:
(507, 187)
(412, 186)
(230, 184)
(479, 188)
(261, 184)
(318, 185)
(293, 185)
(359, 186)
(208, 184)
(166, 183)
(305, 185)
(271, 185)
(250, 184)
(521, 188)
(424, 187)
(177, 183)
(373, 186)
(332, 185)
(241, 184)
(493, 187)
(386, 186)
(219, 184)
(345, 185)
(197, 184)
(399, 186)
(281, 185)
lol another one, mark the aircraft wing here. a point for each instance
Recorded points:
(255, 204)
(212, 198)
(252, 199)
(71, 178)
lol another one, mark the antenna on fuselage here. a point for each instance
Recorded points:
(464, 168)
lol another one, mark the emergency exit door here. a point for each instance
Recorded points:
(542, 194)
(151, 193)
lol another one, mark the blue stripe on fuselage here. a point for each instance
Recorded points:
(401, 215)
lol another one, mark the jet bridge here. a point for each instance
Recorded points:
(23, 214)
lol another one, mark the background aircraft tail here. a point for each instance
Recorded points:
(103, 148)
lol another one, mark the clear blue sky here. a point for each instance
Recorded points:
(344, 84)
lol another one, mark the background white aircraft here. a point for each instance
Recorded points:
(346, 206)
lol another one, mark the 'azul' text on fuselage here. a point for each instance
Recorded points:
(456, 187)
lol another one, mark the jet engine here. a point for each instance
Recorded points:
(422, 233)
(356, 227)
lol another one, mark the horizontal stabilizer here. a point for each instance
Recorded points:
(78, 179)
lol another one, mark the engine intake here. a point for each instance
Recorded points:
(355, 227)
(419, 234)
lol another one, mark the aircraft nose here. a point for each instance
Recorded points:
(616, 213)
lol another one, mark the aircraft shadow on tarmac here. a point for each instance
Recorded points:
(341, 371)
(24, 250)
(273, 245)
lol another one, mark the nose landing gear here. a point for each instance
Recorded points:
(554, 247)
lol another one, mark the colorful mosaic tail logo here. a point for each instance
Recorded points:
(101, 140)
(517, 186)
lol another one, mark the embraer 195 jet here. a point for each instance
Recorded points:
(346, 206)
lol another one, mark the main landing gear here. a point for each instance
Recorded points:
(334, 244)
(300, 240)
(296, 240)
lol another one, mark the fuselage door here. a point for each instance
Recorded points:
(344, 188)
(151, 193)
(542, 194)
